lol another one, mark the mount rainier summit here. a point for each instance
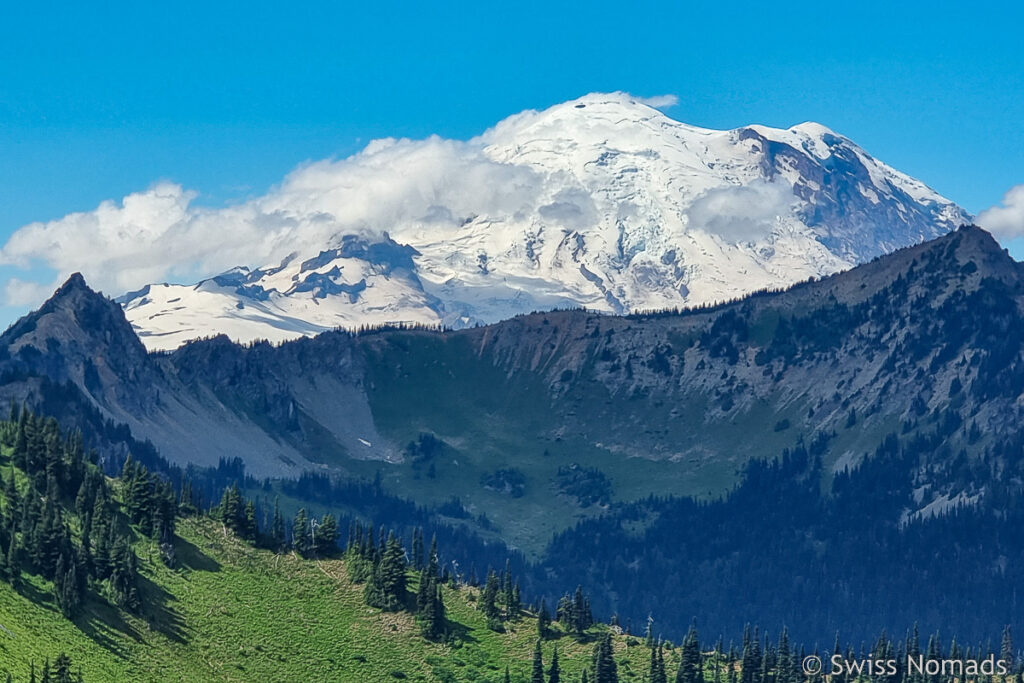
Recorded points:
(600, 202)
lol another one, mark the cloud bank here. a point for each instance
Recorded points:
(1005, 221)
(742, 213)
(161, 235)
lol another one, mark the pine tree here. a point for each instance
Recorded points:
(66, 587)
(605, 669)
(11, 497)
(386, 589)
(1006, 652)
(13, 561)
(277, 527)
(784, 660)
(250, 527)
(325, 537)
(433, 563)
(300, 532)
(751, 662)
(489, 597)
(555, 672)
(62, 669)
(543, 620)
(537, 676)
(517, 602)
(417, 549)
(657, 668)
(689, 663)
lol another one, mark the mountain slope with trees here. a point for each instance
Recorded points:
(675, 462)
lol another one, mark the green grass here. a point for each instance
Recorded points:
(230, 612)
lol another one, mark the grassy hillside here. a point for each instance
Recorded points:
(230, 612)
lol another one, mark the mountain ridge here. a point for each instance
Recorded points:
(654, 397)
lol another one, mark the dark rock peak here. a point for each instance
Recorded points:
(77, 314)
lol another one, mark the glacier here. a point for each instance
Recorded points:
(601, 202)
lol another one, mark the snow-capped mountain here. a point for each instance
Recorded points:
(601, 202)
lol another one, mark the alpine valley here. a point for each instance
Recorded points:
(794, 457)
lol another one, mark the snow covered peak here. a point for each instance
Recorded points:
(602, 201)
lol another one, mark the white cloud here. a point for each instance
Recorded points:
(741, 213)
(18, 292)
(161, 235)
(660, 101)
(1005, 221)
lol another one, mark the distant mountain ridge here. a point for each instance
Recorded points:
(609, 204)
(668, 401)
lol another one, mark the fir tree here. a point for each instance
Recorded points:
(543, 620)
(657, 668)
(605, 669)
(537, 675)
(386, 589)
(13, 561)
(417, 549)
(489, 596)
(62, 669)
(300, 532)
(277, 528)
(1006, 652)
(689, 663)
(555, 672)
(325, 536)
(250, 527)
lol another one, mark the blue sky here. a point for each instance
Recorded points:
(98, 102)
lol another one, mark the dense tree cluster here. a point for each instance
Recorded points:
(749, 554)
(379, 561)
(50, 483)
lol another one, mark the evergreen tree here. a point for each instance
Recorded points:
(325, 536)
(277, 527)
(555, 672)
(433, 563)
(489, 596)
(657, 668)
(231, 510)
(605, 669)
(537, 676)
(386, 589)
(11, 497)
(13, 561)
(66, 587)
(250, 527)
(784, 659)
(689, 663)
(300, 532)
(417, 549)
(751, 662)
(543, 620)
(62, 669)
(1006, 652)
